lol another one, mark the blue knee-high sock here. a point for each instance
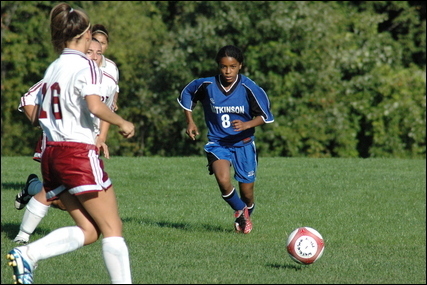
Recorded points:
(234, 200)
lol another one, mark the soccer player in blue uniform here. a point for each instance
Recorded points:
(233, 106)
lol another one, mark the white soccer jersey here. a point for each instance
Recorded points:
(109, 88)
(29, 98)
(110, 67)
(64, 114)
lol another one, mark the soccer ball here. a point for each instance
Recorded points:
(305, 245)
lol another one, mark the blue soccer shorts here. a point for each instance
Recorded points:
(244, 159)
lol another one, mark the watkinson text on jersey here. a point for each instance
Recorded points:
(228, 109)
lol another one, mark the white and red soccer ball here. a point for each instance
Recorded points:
(305, 245)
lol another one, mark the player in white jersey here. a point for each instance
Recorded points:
(108, 66)
(27, 105)
(32, 193)
(109, 89)
(71, 168)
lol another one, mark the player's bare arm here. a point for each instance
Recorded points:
(192, 130)
(28, 111)
(34, 115)
(102, 138)
(239, 125)
(99, 109)
(115, 106)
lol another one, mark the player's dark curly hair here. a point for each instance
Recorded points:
(229, 51)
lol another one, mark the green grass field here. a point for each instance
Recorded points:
(371, 213)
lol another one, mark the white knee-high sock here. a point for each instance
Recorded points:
(116, 257)
(34, 213)
(58, 242)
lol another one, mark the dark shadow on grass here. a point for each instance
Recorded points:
(179, 226)
(12, 186)
(12, 229)
(295, 267)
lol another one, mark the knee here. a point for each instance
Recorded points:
(224, 182)
(225, 188)
(92, 234)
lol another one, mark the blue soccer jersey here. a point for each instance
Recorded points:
(244, 101)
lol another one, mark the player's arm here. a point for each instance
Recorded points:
(103, 112)
(238, 125)
(260, 108)
(28, 100)
(33, 114)
(192, 130)
(115, 106)
(28, 110)
(102, 138)
(104, 127)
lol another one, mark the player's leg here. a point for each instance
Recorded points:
(65, 239)
(102, 207)
(243, 222)
(24, 259)
(58, 205)
(33, 184)
(219, 165)
(221, 169)
(35, 211)
(80, 216)
(32, 187)
(247, 195)
(245, 163)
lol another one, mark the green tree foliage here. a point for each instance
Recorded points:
(345, 78)
(25, 56)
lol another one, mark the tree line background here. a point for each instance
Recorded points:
(345, 78)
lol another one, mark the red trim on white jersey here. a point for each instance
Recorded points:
(64, 115)
(29, 98)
